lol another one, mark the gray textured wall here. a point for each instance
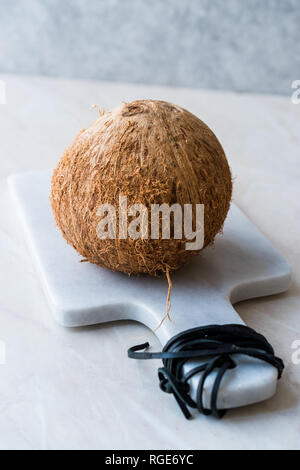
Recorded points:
(245, 45)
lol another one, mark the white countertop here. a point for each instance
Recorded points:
(75, 388)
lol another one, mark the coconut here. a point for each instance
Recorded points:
(151, 152)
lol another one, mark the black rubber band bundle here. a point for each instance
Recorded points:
(217, 343)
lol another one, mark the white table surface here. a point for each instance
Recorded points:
(76, 388)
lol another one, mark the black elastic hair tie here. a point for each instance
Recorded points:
(217, 343)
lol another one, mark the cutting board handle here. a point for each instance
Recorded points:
(199, 352)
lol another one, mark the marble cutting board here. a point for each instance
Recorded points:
(242, 265)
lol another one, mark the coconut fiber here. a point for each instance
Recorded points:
(153, 152)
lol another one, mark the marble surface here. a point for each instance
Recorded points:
(242, 265)
(53, 395)
(248, 45)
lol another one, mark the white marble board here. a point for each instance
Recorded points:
(242, 265)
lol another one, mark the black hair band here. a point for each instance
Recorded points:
(217, 343)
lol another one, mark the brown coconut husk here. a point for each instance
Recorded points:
(153, 152)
